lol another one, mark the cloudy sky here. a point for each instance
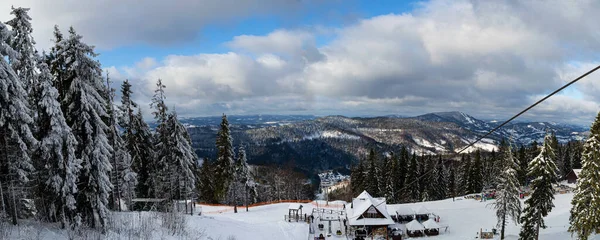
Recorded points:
(490, 59)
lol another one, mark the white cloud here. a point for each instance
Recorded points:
(114, 23)
(491, 60)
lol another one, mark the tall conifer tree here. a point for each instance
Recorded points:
(542, 171)
(585, 212)
(224, 164)
(16, 138)
(86, 102)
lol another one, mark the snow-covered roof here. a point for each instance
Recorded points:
(577, 172)
(364, 194)
(363, 203)
(404, 211)
(414, 225)
(295, 206)
(430, 224)
(422, 210)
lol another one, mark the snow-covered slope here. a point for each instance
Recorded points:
(464, 218)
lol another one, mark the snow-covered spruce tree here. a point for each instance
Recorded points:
(451, 190)
(585, 217)
(465, 169)
(423, 179)
(386, 180)
(475, 174)
(396, 178)
(522, 169)
(223, 167)
(357, 177)
(243, 183)
(86, 109)
(440, 181)
(246, 178)
(123, 178)
(138, 141)
(16, 138)
(542, 171)
(206, 182)
(372, 180)
(159, 177)
(22, 42)
(55, 158)
(400, 175)
(57, 63)
(412, 180)
(507, 203)
(181, 159)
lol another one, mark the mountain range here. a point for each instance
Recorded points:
(312, 144)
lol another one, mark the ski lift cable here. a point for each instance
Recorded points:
(509, 120)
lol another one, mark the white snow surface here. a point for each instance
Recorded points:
(464, 219)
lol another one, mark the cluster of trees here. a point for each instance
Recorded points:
(406, 177)
(228, 179)
(66, 146)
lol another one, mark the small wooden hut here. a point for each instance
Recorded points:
(422, 214)
(432, 228)
(573, 175)
(415, 229)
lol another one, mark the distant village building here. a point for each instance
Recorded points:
(573, 176)
(369, 214)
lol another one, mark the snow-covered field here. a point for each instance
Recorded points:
(464, 217)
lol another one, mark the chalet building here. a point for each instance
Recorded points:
(573, 176)
(369, 214)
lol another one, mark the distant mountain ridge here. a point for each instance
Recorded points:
(321, 143)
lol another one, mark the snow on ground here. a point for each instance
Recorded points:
(485, 144)
(427, 144)
(463, 217)
(331, 134)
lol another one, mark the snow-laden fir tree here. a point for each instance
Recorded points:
(542, 171)
(400, 174)
(159, 179)
(523, 161)
(16, 138)
(86, 111)
(465, 169)
(507, 205)
(22, 42)
(57, 63)
(440, 180)
(123, 178)
(181, 159)
(223, 167)
(476, 174)
(244, 186)
(396, 178)
(585, 213)
(138, 140)
(451, 190)
(411, 182)
(372, 179)
(386, 180)
(424, 179)
(55, 158)
(357, 177)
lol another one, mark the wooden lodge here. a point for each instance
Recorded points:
(368, 216)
